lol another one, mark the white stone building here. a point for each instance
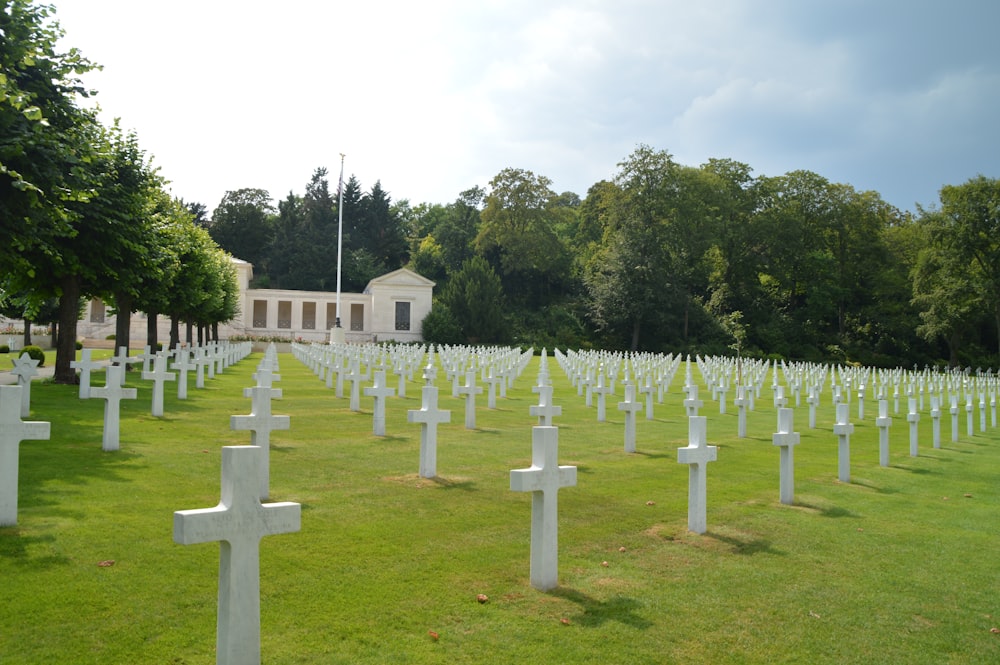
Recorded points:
(392, 307)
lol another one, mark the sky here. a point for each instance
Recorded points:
(431, 98)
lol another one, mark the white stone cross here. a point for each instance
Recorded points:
(261, 423)
(123, 360)
(158, 376)
(12, 432)
(630, 406)
(969, 429)
(692, 403)
(492, 380)
(183, 364)
(429, 417)
(25, 367)
(112, 393)
(469, 392)
(741, 411)
(545, 410)
(146, 356)
(936, 420)
(812, 399)
(982, 411)
(543, 479)
(647, 389)
(913, 417)
(697, 454)
(602, 392)
(238, 523)
(954, 417)
(843, 428)
(883, 423)
(379, 391)
(86, 366)
(786, 439)
(355, 377)
(861, 402)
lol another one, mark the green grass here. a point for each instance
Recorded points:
(899, 566)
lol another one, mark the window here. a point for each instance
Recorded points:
(97, 310)
(309, 316)
(402, 315)
(357, 317)
(259, 313)
(284, 313)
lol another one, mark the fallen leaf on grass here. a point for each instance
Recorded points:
(564, 621)
(650, 503)
(968, 496)
(434, 636)
(604, 563)
(621, 549)
(106, 564)
(482, 598)
(814, 615)
(995, 630)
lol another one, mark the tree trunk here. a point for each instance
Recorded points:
(636, 326)
(175, 331)
(190, 334)
(27, 333)
(151, 332)
(69, 306)
(215, 332)
(123, 320)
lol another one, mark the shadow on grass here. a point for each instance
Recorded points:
(869, 485)
(828, 511)
(446, 484)
(597, 612)
(14, 545)
(653, 455)
(745, 546)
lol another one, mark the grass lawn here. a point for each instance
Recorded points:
(899, 566)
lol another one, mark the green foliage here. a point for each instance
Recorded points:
(34, 352)
(4, 348)
(243, 225)
(441, 327)
(475, 299)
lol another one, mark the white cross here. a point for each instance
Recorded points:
(843, 428)
(954, 417)
(630, 407)
(379, 391)
(355, 377)
(883, 422)
(86, 366)
(261, 423)
(429, 417)
(123, 360)
(543, 479)
(112, 393)
(786, 439)
(913, 418)
(469, 392)
(648, 389)
(238, 522)
(183, 364)
(492, 381)
(25, 367)
(697, 455)
(145, 357)
(158, 376)
(969, 429)
(12, 432)
(692, 403)
(936, 420)
(741, 410)
(544, 410)
(602, 391)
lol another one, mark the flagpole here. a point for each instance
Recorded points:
(338, 332)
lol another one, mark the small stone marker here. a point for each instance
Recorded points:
(786, 439)
(913, 417)
(25, 367)
(883, 423)
(697, 455)
(12, 432)
(86, 366)
(238, 522)
(158, 376)
(112, 393)
(429, 417)
(843, 428)
(379, 391)
(630, 406)
(543, 479)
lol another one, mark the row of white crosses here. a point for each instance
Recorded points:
(240, 521)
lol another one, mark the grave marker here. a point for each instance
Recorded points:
(697, 455)
(913, 417)
(843, 428)
(158, 376)
(238, 523)
(379, 391)
(86, 366)
(786, 439)
(261, 423)
(630, 406)
(429, 417)
(544, 479)
(25, 367)
(112, 393)
(883, 423)
(12, 432)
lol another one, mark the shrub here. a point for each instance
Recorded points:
(4, 348)
(79, 345)
(36, 353)
(111, 336)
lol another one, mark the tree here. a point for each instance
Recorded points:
(474, 297)
(243, 225)
(40, 153)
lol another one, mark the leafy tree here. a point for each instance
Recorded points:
(457, 231)
(41, 156)
(243, 225)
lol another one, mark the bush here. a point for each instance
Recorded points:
(79, 345)
(36, 353)
(4, 348)
(111, 336)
